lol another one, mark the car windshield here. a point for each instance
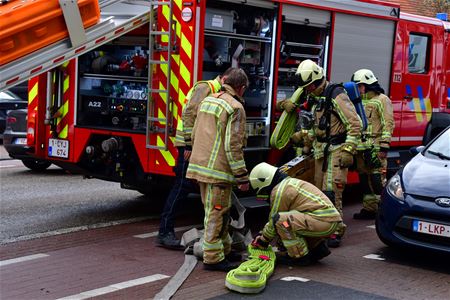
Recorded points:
(440, 148)
(6, 95)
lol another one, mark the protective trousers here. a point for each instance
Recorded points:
(216, 200)
(370, 181)
(332, 181)
(296, 229)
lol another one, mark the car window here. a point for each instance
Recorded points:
(440, 148)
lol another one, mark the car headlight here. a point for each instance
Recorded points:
(394, 187)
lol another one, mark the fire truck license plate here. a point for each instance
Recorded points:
(431, 228)
(58, 148)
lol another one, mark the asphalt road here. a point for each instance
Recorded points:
(55, 200)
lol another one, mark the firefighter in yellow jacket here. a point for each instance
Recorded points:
(301, 215)
(377, 92)
(335, 133)
(371, 157)
(217, 163)
(182, 186)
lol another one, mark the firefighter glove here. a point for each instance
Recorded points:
(346, 160)
(260, 242)
(288, 105)
(297, 137)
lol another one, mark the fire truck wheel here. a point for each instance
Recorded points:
(36, 165)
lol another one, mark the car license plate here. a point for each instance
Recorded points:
(431, 228)
(58, 148)
(20, 141)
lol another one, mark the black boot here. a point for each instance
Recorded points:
(233, 256)
(302, 261)
(364, 214)
(320, 251)
(169, 241)
(334, 241)
(224, 266)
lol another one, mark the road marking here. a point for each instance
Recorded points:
(371, 226)
(155, 233)
(73, 229)
(291, 278)
(374, 256)
(115, 287)
(21, 259)
(8, 166)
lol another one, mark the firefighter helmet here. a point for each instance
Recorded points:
(364, 76)
(262, 176)
(308, 72)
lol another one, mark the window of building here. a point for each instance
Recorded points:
(418, 56)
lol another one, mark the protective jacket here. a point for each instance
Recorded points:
(196, 94)
(376, 127)
(388, 114)
(295, 194)
(344, 123)
(218, 139)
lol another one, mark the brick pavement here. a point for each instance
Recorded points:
(89, 260)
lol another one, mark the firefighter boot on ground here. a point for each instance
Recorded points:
(334, 241)
(224, 266)
(320, 251)
(364, 214)
(169, 241)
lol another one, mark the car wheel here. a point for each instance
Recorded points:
(36, 165)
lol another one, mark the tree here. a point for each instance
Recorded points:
(438, 6)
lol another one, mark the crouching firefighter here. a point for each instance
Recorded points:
(334, 135)
(301, 215)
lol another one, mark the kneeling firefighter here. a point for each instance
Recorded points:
(301, 215)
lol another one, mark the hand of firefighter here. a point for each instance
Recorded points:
(244, 187)
(260, 242)
(382, 154)
(297, 138)
(187, 154)
(346, 160)
(288, 105)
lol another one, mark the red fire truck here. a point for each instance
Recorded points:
(106, 104)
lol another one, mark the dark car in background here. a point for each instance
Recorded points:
(415, 204)
(15, 140)
(9, 101)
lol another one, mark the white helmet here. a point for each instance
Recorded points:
(364, 76)
(308, 71)
(262, 175)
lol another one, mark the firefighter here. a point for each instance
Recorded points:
(375, 142)
(182, 186)
(388, 113)
(301, 215)
(334, 135)
(217, 163)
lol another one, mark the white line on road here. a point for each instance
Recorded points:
(374, 256)
(21, 259)
(73, 229)
(291, 278)
(155, 233)
(8, 166)
(371, 226)
(115, 287)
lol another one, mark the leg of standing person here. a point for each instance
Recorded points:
(179, 192)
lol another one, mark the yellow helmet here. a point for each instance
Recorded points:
(261, 176)
(308, 72)
(364, 76)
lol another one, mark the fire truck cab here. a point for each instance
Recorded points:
(107, 107)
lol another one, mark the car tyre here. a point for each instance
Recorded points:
(36, 165)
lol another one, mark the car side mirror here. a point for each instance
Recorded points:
(416, 150)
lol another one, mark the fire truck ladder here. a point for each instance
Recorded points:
(156, 124)
(117, 18)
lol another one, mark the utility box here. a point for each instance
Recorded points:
(217, 19)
